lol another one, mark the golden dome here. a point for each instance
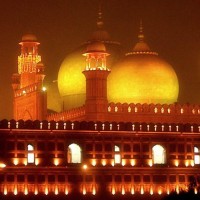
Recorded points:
(143, 77)
(29, 38)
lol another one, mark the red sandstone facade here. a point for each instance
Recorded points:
(99, 148)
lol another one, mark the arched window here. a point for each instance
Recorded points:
(159, 155)
(30, 156)
(117, 155)
(74, 153)
(196, 155)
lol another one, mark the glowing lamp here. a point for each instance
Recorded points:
(132, 190)
(15, 191)
(46, 191)
(142, 190)
(36, 191)
(123, 162)
(176, 163)
(103, 162)
(151, 191)
(66, 191)
(5, 191)
(84, 191)
(123, 191)
(85, 167)
(16, 161)
(94, 190)
(44, 89)
(2, 165)
(113, 190)
(94, 162)
(132, 162)
(56, 190)
(159, 191)
(56, 162)
(150, 163)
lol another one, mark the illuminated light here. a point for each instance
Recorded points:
(44, 89)
(36, 161)
(16, 161)
(151, 190)
(176, 163)
(46, 191)
(15, 191)
(132, 190)
(169, 110)
(25, 191)
(2, 165)
(23, 92)
(103, 162)
(5, 191)
(195, 191)
(168, 191)
(94, 190)
(123, 162)
(177, 189)
(113, 163)
(84, 190)
(186, 163)
(159, 191)
(94, 162)
(36, 191)
(132, 162)
(192, 163)
(85, 167)
(150, 163)
(113, 190)
(66, 191)
(123, 191)
(56, 190)
(56, 162)
(142, 190)
(25, 162)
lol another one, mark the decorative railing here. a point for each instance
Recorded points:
(165, 109)
(100, 126)
(73, 114)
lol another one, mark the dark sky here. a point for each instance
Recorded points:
(172, 28)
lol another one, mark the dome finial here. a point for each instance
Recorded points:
(99, 20)
(141, 33)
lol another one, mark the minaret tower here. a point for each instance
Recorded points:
(30, 100)
(96, 73)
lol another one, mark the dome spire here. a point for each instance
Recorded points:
(141, 33)
(99, 20)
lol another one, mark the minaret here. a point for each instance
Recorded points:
(30, 100)
(96, 73)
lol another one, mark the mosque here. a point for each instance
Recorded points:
(111, 126)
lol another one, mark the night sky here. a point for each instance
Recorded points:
(171, 27)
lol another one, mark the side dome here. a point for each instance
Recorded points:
(143, 77)
(29, 38)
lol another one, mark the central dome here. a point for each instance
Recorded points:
(143, 77)
(71, 81)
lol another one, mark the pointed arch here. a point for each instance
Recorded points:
(74, 153)
(158, 154)
(30, 154)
